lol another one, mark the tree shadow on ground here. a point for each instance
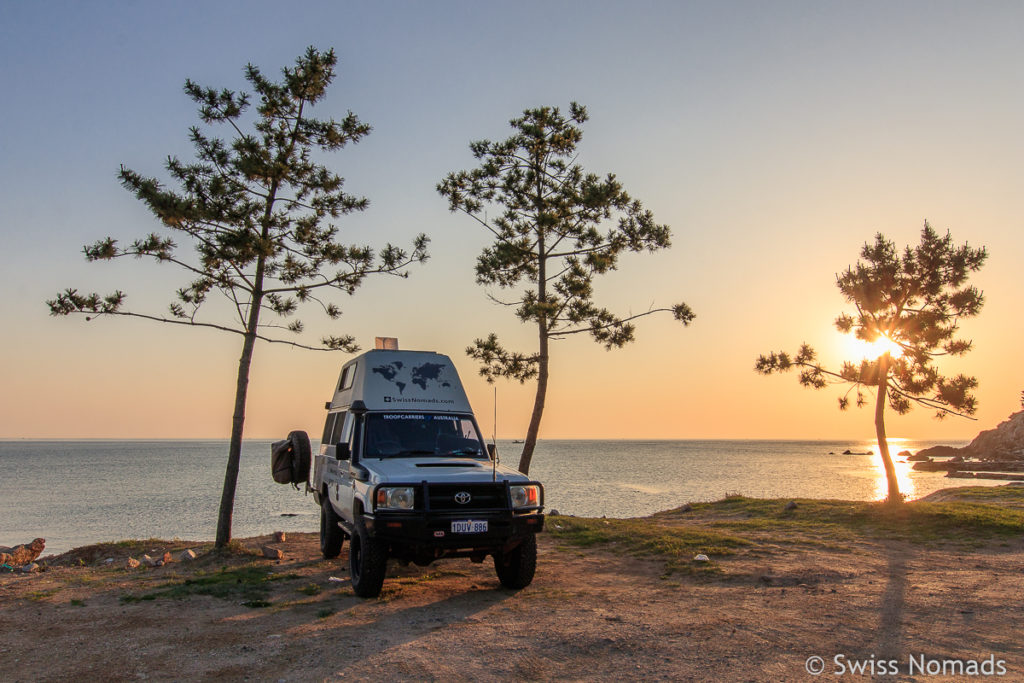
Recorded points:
(891, 636)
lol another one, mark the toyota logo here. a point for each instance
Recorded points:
(462, 497)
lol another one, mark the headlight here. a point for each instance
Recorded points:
(399, 498)
(525, 496)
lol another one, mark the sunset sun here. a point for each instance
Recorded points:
(862, 350)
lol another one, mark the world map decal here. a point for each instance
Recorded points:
(424, 376)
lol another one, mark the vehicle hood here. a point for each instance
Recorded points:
(442, 470)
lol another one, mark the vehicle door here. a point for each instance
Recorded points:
(344, 491)
(334, 469)
(322, 468)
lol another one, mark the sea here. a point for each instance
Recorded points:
(74, 493)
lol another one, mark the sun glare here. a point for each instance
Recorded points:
(903, 469)
(859, 349)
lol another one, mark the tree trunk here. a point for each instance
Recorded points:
(227, 497)
(538, 406)
(883, 444)
(542, 346)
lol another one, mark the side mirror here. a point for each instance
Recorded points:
(342, 452)
(492, 451)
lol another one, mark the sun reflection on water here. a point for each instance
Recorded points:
(903, 469)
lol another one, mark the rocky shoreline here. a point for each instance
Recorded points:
(994, 454)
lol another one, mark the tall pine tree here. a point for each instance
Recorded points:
(259, 213)
(913, 304)
(555, 228)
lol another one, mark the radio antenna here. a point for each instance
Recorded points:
(494, 437)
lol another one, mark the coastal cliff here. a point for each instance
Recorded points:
(1005, 442)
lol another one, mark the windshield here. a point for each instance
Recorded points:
(390, 435)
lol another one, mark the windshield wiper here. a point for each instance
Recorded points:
(413, 451)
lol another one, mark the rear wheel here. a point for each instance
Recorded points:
(516, 567)
(331, 535)
(368, 562)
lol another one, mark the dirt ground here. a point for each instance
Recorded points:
(589, 615)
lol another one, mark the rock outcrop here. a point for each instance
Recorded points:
(926, 454)
(271, 553)
(21, 555)
(1005, 442)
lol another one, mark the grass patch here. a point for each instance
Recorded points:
(677, 545)
(942, 522)
(1006, 496)
(256, 603)
(77, 603)
(644, 536)
(235, 547)
(37, 596)
(825, 520)
(722, 528)
(138, 545)
(309, 589)
(247, 583)
(325, 612)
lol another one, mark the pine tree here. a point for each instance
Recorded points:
(913, 303)
(258, 212)
(555, 229)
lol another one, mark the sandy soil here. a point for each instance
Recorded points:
(589, 615)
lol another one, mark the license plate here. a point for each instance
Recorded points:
(469, 526)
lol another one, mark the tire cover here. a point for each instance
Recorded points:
(301, 456)
(281, 461)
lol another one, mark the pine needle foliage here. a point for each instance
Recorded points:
(915, 300)
(253, 220)
(554, 228)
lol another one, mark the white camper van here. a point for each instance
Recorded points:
(403, 472)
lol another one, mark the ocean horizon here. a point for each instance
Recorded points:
(74, 492)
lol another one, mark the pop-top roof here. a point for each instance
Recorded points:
(401, 381)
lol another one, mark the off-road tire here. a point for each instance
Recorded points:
(367, 563)
(331, 535)
(516, 567)
(302, 456)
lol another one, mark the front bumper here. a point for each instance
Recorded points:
(435, 529)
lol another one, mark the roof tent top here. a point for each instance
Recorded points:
(401, 381)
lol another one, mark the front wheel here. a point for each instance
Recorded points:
(516, 567)
(331, 535)
(368, 562)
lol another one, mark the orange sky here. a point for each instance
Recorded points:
(774, 141)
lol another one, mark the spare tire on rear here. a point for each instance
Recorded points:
(281, 461)
(302, 456)
(290, 459)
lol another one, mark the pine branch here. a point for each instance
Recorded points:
(617, 322)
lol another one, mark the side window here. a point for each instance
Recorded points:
(337, 435)
(328, 428)
(346, 433)
(353, 429)
(347, 376)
